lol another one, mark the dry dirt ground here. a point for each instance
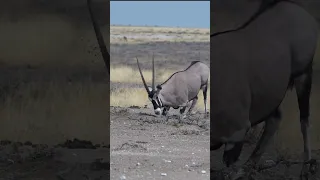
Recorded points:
(147, 147)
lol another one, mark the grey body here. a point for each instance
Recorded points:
(184, 86)
(252, 69)
(179, 89)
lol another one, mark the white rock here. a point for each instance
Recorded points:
(163, 174)
(123, 177)
(203, 171)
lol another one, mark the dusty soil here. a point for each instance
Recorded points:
(144, 146)
(74, 159)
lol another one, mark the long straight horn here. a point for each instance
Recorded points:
(153, 87)
(144, 82)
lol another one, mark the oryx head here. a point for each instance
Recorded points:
(153, 92)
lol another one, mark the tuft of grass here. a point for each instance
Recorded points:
(125, 97)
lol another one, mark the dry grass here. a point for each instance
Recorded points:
(157, 34)
(126, 97)
(130, 75)
(54, 111)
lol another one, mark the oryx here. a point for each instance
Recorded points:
(252, 68)
(179, 89)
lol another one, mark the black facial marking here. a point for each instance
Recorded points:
(231, 156)
(154, 99)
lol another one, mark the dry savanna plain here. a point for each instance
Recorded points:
(142, 145)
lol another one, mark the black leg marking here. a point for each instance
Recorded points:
(215, 146)
(165, 111)
(204, 91)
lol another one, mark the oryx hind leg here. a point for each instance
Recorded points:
(303, 85)
(204, 91)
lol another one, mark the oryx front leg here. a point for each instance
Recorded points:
(165, 110)
(194, 102)
(183, 111)
(271, 126)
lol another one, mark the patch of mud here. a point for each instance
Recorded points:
(130, 146)
(188, 130)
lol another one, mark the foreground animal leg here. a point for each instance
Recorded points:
(303, 89)
(204, 90)
(271, 126)
(233, 149)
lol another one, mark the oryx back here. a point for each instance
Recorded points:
(183, 86)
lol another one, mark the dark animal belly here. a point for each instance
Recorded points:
(268, 89)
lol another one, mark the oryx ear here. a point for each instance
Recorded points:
(159, 87)
(150, 88)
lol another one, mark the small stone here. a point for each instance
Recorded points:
(123, 177)
(138, 164)
(163, 174)
(203, 171)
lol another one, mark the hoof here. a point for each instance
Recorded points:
(236, 175)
